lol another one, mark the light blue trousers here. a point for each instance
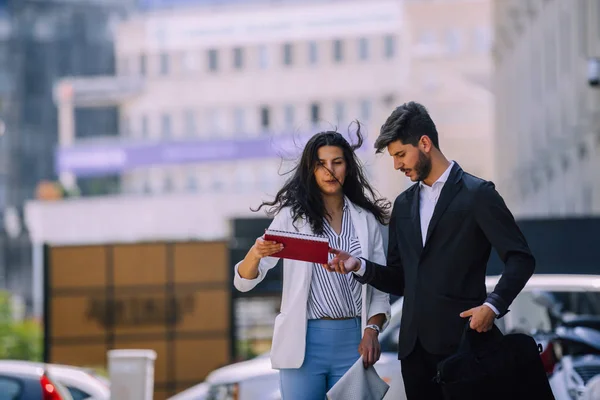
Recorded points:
(331, 349)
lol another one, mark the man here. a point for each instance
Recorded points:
(440, 237)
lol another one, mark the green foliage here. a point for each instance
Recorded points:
(19, 340)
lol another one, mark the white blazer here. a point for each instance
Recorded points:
(289, 334)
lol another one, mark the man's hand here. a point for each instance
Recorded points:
(482, 318)
(342, 263)
(369, 347)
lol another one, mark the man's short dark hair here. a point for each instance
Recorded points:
(408, 123)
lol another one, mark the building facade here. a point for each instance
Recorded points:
(41, 41)
(547, 141)
(254, 76)
(451, 72)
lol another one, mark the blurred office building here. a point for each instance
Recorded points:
(210, 98)
(451, 73)
(547, 61)
(41, 41)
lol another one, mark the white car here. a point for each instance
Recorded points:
(255, 379)
(81, 384)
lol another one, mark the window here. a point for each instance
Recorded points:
(453, 44)
(213, 60)
(189, 62)
(263, 57)
(389, 46)
(144, 126)
(288, 115)
(363, 48)
(214, 122)
(238, 58)
(287, 54)
(168, 184)
(143, 65)
(313, 52)
(265, 120)
(77, 394)
(482, 38)
(189, 123)
(239, 120)
(191, 183)
(340, 116)
(365, 110)
(164, 64)
(165, 125)
(9, 388)
(315, 113)
(338, 50)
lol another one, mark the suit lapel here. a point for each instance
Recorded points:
(450, 189)
(415, 214)
(359, 220)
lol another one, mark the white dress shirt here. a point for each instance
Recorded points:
(428, 198)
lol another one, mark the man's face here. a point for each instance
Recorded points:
(412, 160)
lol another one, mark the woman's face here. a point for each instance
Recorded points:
(330, 170)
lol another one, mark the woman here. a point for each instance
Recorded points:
(327, 320)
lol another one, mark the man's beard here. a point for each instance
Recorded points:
(423, 167)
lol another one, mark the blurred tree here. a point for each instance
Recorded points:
(19, 340)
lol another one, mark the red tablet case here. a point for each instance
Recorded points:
(300, 246)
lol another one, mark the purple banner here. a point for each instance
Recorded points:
(103, 159)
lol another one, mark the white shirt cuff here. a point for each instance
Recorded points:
(494, 309)
(363, 268)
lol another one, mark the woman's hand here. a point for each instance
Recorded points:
(263, 248)
(369, 347)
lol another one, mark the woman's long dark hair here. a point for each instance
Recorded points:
(302, 194)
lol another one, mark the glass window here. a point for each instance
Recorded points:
(238, 58)
(365, 110)
(338, 50)
(214, 122)
(289, 116)
(315, 113)
(191, 183)
(265, 120)
(144, 126)
(263, 57)
(288, 54)
(239, 122)
(143, 65)
(189, 123)
(9, 388)
(313, 52)
(340, 116)
(453, 44)
(213, 60)
(168, 185)
(482, 39)
(77, 394)
(164, 64)
(389, 46)
(363, 48)
(190, 61)
(165, 125)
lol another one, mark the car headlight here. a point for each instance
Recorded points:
(228, 391)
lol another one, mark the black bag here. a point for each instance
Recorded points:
(493, 366)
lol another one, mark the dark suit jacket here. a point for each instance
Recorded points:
(447, 275)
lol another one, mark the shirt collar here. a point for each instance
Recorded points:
(443, 178)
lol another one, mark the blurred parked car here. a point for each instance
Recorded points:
(255, 379)
(51, 381)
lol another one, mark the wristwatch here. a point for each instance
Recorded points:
(374, 327)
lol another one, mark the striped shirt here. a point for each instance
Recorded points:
(331, 294)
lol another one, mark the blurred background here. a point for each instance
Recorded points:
(135, 135)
